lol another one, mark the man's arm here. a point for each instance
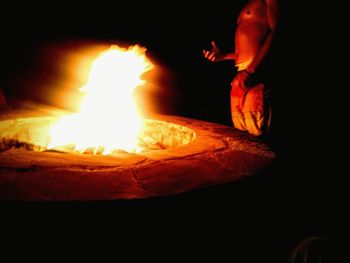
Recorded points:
(272, 17)
(215, 54)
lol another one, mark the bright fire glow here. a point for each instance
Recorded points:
(108, 119)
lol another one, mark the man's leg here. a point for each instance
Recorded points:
(236, 106)
(256, 110)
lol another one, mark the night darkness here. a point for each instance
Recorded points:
(267, 209)
(173, 33)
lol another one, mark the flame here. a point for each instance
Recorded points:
(108, 119)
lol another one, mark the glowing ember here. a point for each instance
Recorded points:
(108, 119)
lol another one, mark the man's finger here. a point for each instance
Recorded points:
(206, 53)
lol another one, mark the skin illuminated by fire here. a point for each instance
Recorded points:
(108, 118)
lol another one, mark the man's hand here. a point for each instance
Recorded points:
(214, 54)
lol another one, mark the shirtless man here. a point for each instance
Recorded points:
(256, 27)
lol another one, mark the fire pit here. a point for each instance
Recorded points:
(209, 154)
(107, 151)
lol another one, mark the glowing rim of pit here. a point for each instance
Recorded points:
(34, 130)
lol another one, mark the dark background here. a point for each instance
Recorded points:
(263, 217)
(174, 33)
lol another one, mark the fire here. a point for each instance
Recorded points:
(108, 119)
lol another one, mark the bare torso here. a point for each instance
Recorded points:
(252, 29)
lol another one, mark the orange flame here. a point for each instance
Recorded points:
(108, 119)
